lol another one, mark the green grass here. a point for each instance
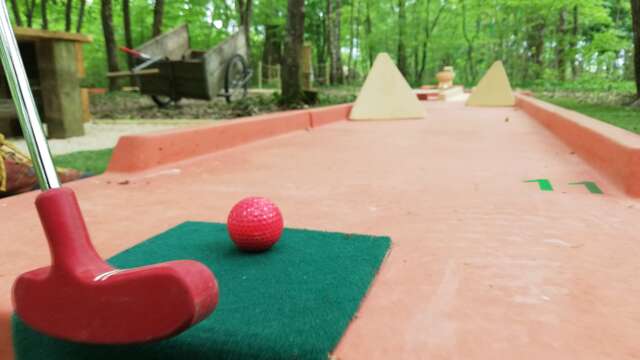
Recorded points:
(93, 161)
(625, 117)
(585, 84)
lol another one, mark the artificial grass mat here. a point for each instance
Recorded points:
(292, 302)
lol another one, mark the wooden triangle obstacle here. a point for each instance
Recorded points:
(386, 95)
(493, 89)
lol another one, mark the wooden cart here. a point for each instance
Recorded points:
(176, 71)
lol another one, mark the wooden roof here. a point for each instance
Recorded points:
(23, 33)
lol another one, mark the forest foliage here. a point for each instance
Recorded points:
(543, 43)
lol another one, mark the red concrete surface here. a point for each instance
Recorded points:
(329, 114)
(482, 265)
(611, 149)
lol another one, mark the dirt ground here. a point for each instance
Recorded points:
(122, 105)
(133, 106)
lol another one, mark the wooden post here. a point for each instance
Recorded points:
(306, 66)
(60, 88)
(80, 60)
(86, 105)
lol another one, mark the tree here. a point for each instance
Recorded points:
(43, 13)
(67, 15)
(31, 7)
(272, 51)
(16, 12)
(158, 17)
(126, 19)
(471, 41)
(368, 28)
(635, 15)
(245, 8)
(561, 45)
(291, 74)
(333, 32)
(402, 51)
(429, 28)
(81, 10)
(106, 14)
(576, 38)
(574, 41)
(316, 31)
(535, 44)
(354, 33)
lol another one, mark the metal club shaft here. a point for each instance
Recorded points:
(25, 104)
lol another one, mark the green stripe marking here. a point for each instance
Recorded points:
(543, 184)
(591, 186)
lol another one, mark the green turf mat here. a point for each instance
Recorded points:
(292, 302)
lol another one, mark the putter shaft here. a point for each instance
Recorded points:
(25, 104)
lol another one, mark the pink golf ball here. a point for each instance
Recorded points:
(255, 224)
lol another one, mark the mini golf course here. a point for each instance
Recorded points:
(471, 233)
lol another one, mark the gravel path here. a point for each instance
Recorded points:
(105, 134)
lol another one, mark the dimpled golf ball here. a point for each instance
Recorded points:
(255, 224)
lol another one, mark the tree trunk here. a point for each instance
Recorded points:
(128, 40)
(321, 46)
(158, 16)
(402, 51)
(272, 52)
(470, 40)
(106, 14)
(354, 72)
(291, 74)
(351, 39)
(561, 45)
(574, 42)
(368, 30)
(67, 15)
(635, 15)
(45, 18)
(16, 12)
(428, 30)
(245, 9)
(535, 42)
(328, 25)
(83, 5)
(421, 55)
(31, 7)
(334, 41)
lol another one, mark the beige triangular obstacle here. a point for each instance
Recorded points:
(386, 95)
(494, 89)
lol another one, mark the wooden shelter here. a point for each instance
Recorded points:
(55, 66)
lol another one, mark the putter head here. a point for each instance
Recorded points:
(81, 298)
(116, 306)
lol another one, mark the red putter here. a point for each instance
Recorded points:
(80, 297)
